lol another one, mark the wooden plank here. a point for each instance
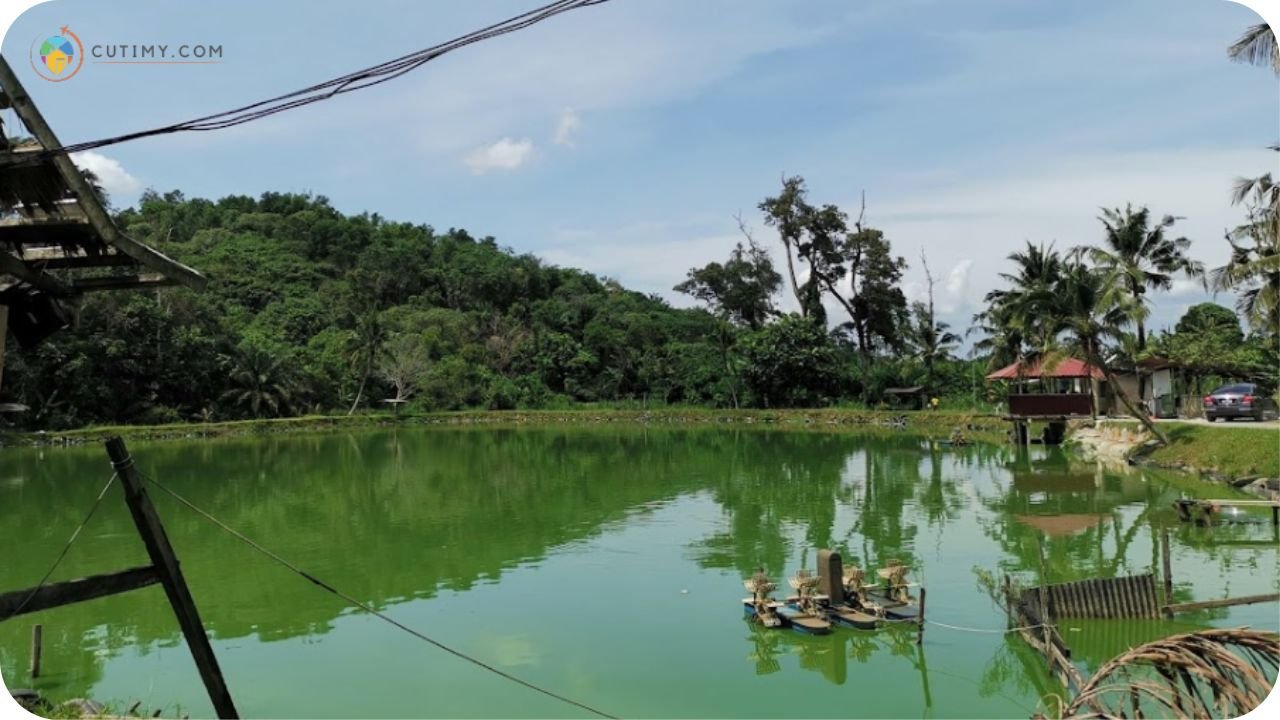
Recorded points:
(175, 585)
(1224, 602)
(74, 591)
(4, 330)
(77, 261)
(15, 267)
(121, 282)
(89, 201)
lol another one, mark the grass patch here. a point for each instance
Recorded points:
(1230, 452)
(935, 423)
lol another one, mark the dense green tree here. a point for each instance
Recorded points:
(792, 363)
(741, 289)
(856, 268)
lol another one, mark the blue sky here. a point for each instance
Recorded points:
(625, 137)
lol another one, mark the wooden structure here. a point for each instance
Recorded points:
(1202, 512)
(1047, 390)
(57, 238)
(164, 569)
(1132, 596)
(906, 398)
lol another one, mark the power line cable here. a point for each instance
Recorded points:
(366, 607)
(65, 549)
(351, 82)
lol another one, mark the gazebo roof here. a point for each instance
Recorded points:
(1064, 368)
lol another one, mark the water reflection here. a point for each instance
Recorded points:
(829, 655)
(401, 518)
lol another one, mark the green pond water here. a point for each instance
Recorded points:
(605, 563)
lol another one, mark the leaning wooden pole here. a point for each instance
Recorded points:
(175, 586)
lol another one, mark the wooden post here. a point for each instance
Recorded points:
(175, 586)
(1166, 566)
(920, 624)
(1008, 603)
(4, 328)
(37, 641)
(1044, 604)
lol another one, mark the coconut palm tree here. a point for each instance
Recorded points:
(1094, 310)
(1257, 46)
(1253, 271)
(1138, 257)
(1024, 316)
(364, 347)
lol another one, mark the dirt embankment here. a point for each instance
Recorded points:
(1245, 459)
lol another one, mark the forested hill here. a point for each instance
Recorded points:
(305, 305)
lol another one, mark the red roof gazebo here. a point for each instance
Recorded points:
(1065, 368)
(1046, 403)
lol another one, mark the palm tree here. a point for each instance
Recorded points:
(259, 382)
(1094, 310)
(1139, 257)
(1024, 317)
(931, 340)
(364, 348)
(1254, 268)
(1257, 46)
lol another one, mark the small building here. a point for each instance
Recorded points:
(1049, 389)
(905, 398)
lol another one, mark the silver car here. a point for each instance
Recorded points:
(1239, 401)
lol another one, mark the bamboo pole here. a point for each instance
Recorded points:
(1224, 602)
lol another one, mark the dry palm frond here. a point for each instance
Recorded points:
(1211, 673)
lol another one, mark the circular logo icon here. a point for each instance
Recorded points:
(58, 57)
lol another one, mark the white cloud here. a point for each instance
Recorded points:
(505, 154)
(111, 174)
(568, 125)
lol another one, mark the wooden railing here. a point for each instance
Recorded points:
(1051, 405)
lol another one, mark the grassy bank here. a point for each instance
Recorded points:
(935, 423)
(1225, 452)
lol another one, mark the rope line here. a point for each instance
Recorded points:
(369, 609)
(65, 549)
(988, 630)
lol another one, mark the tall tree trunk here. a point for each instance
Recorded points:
(368, 370)
(1142, 345)
(1124, 398)
(795, 286)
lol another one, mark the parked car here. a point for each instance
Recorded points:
(1240, 400)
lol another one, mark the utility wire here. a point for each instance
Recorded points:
(358, 80)
(367, 608)
(65, 549)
